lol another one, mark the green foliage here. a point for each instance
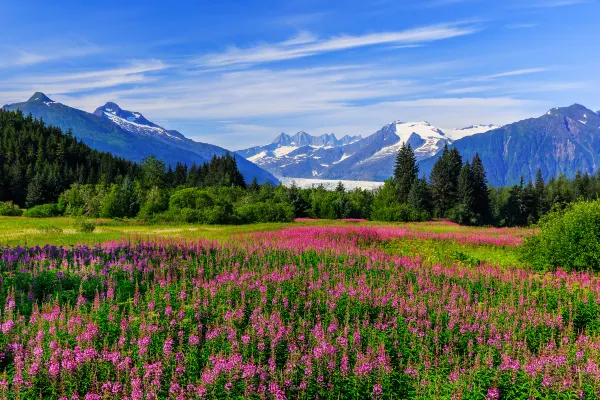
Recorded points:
(265, 212)
(444, 181)
(83, 225)
(49, 229)
(120, 201)
(568, 238)
(405, 171)
(9, 209)
(38, 162)
(42, 211)
(399, 213)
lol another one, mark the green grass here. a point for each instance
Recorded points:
(27, 231)
(441, 251)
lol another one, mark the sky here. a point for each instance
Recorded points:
(237, 73)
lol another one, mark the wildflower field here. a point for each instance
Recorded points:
(305, 310)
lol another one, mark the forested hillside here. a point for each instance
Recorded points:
(38, 162)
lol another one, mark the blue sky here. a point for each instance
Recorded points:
(236, 73)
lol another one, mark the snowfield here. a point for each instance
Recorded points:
(330, 184)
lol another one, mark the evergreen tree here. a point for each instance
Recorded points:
(444, 181)
(540, 193)
(35, 191)
(465, 187)
(180, 175)
(419, 197)
(405, 171)
(530, 206)
(480, 191)
(299, 203)
(255, 187)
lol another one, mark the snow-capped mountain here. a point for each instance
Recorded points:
(562, 141)
(353, 157)
(460, 133)
(300, 152)
(129, 135)
(134, 122)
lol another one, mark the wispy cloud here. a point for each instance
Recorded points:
(554, 3)
(77, 82)
(521, 26)
(44, 52)
(492, 77)
(306, 45)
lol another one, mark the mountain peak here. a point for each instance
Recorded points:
(111, 110)
(39, 97)
(111, 107)
(283, 139)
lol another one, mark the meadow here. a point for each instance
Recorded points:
(311, 309)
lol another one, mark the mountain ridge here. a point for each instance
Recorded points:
(351, 157)
(131, 139)
(561, 141)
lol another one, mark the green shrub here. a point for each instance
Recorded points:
(265, 212)
(399, 213)
(42, 211)
(83, 225)
(568, 238)
(49, 229)
(9, 209)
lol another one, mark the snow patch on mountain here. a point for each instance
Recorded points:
(460, 133)
(328, 184)
(353, 157)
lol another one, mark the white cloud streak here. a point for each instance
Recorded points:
(43, 53)
(485, 78)
(306, 45)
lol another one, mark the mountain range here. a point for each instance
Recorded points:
(353, 157)
(130, 135)
(562, 141)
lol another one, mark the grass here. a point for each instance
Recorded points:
(442, 251)
(34, 231)
(30, 231)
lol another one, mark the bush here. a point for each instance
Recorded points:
(49, 229)
(9, 209)
(568, 238)
(83, 225)
(265, 212)
(43, 211)
(399, 213)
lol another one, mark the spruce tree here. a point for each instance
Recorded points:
(444, 181)
(35, 191)
(540, 193)
(419, 197)
(405, 171)
(465, 187)
(481, 196)
(255, 187)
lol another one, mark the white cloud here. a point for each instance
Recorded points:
(306, 45)
(76, 82)
(492, 77)
(44, 52)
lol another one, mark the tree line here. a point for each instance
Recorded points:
(457, 189)
(52, 173)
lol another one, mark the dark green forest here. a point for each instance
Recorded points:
(52, 173)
